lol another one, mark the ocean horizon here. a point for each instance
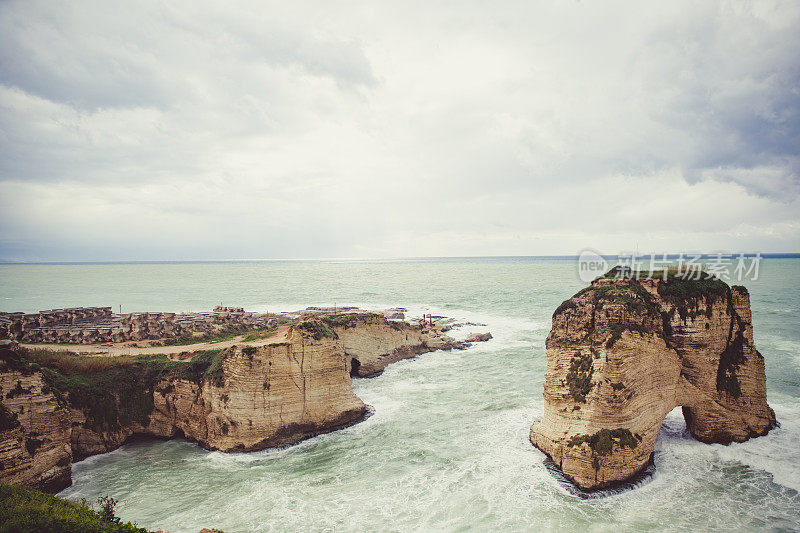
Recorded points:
(673, 256)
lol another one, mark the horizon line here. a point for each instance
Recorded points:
(772, 255)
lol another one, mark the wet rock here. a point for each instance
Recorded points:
(478, 337)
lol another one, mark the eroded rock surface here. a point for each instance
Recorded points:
(290, 385)
(268, 396)
(623, 353)
(34, 431)
(371, 342)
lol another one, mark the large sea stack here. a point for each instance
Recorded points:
(624, 352)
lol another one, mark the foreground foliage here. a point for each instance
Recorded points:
(29, 511)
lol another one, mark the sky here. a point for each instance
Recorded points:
(243, 130)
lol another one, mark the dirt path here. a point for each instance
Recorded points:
(126, 348)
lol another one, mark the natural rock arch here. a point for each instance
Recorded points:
(623, 353)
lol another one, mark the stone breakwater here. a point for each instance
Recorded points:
(90, 325)
(623, 353)
(287, 385)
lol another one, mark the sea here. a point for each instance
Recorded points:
(447, 447)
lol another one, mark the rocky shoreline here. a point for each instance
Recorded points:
(267, 389)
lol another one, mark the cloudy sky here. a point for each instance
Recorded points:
(224, 130)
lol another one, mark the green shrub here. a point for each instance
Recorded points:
(686, 295)
(618, 329)
(29, 511)
(116, 391)
(347, 320)
(112, 397)
(579, 377)
(317, 329)
(633, 296)
(205, 366)
(258, 335)
(602, 442)
(14, 361)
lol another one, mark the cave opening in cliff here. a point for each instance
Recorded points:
(676, 423)
(355, 364)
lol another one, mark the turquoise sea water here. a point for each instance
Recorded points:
(447, 447)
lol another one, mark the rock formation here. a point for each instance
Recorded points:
(478, 337)
(264, 396)
(267, 396)
(371, 342)
(286, 388)
(624, 352)
(34, 430)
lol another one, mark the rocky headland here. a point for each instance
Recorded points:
(264, 388)
(624, 352)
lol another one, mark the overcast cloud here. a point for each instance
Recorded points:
(208, 130)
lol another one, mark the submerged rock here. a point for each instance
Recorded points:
(479, 337)
(623, 353)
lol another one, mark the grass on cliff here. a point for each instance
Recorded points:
(256, 335)
(680, 294)
(579, 376)
(29, 511)
(346, 320)
(113, 391)
(317, 329)
(687, 295)
(680, 290)
(618, 329)
(633, 296)
(227, 333)
(602, 442)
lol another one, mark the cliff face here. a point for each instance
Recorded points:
(261, 397)
(34, 433)
(267, 396)
(278, 392)
(623, 353)
(371, 342)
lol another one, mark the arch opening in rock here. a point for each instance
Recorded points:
(623, 353)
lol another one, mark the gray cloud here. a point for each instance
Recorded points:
(94, 55)
(193, 130)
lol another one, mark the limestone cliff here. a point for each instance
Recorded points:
(623, 353)
(266, 396)
(34, 430)
(371, 342)
(280, 390)
(257, 397)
